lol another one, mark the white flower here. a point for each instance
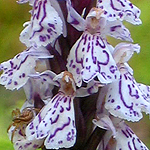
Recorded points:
(46, 24)
(16, 70)
(91, 55)
(124, 97)
(56, 121)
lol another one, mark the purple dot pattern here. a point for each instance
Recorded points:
(120, 9)
(90, 57)
(55, 122)
(45, 25)
(125, 99)
(16, 70)
(15, 73)
(117, 30)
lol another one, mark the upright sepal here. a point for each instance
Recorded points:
(74, 18)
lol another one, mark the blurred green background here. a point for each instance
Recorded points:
(12, 17)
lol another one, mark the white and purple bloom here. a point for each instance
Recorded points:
(16, 70)
(47, 118)
(46, 24)
(91, 55)
(124, 97)
(121, 10)
(56, 121)
(119, 136)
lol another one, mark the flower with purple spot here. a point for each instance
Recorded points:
(124, 98)
(15, 74)
(45, 26)
(90, 56)
(56, 121)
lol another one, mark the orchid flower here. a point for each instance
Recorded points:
(91, 55)
(119, 135)
(56, 121)
(46, 24)
(15, 74)
(124, 97)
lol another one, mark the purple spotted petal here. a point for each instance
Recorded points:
(46, 76)
(56, 123)
(90, 57)
(117, 30)
(127, 140)
(125, 100)
(35, 88)
(40, 84)
(15, 71)
(74, 18)
(55, 4)
(120, 9)
(45, 25)
(21, 143)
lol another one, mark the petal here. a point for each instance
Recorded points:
(15, 71)
(124, 51)
(55, 4)
(145, 89)
(22, 1)
(31, 2)
(21, 143)
(38, 87)
(125, 100)
(56, 123)
(117, 30)
(46, 76)
(74, 18)
(127, 140)
(45, 25)
(120, 9)
(105, 123)
(90, 57)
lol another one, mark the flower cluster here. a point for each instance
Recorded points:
(76, 83)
